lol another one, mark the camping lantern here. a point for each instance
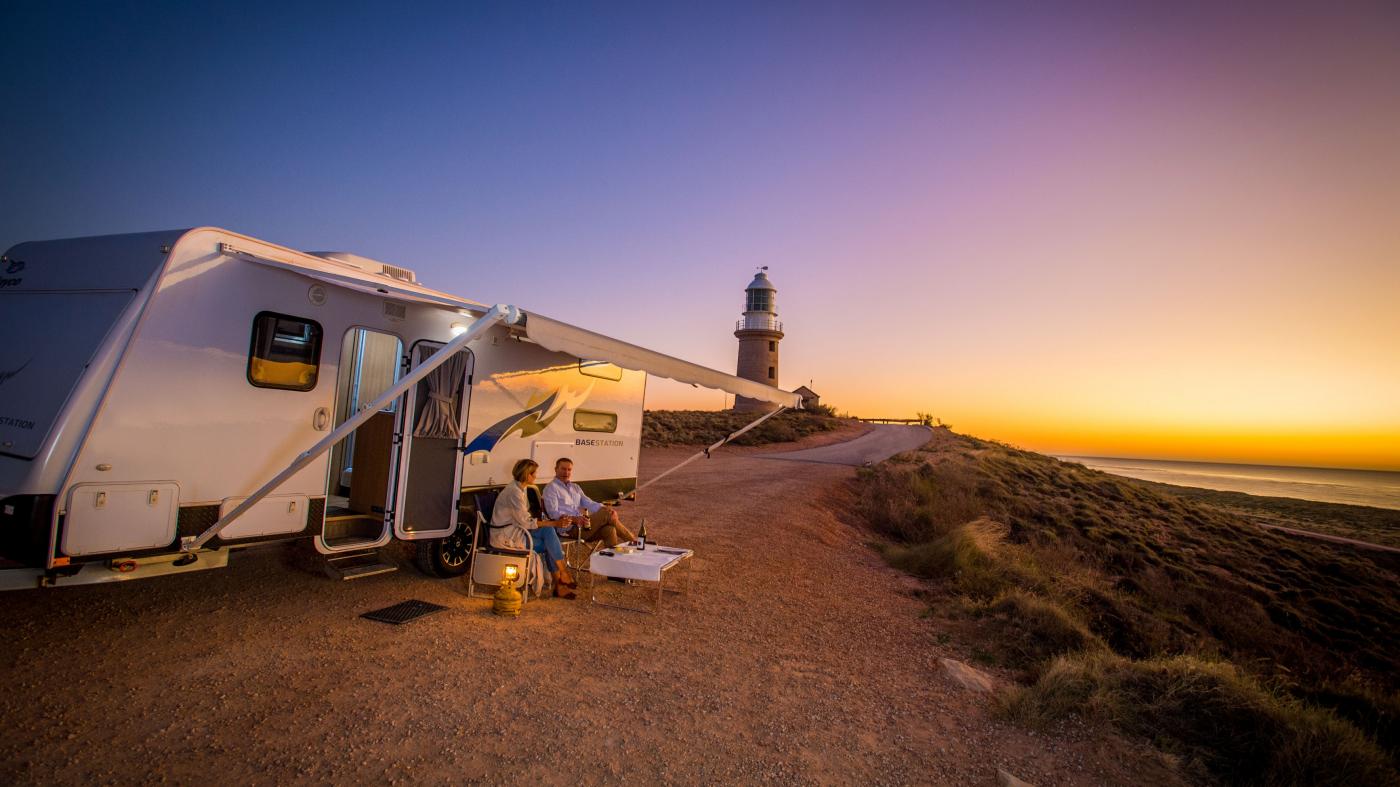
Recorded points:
(507, 598)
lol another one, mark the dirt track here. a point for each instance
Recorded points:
(876, 445)
(798, 657)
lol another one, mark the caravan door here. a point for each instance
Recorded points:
(361, 472)
(430, 459)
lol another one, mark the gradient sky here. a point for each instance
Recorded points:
(1094, 230)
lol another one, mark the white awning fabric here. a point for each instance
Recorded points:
(548, 333)
(587, 345)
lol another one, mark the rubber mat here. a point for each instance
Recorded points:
(403, 612)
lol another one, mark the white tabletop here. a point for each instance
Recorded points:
(645, 564)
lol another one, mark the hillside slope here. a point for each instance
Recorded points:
(1056, 560)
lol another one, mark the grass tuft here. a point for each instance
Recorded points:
(1027, 631)
(1221, 722)
(959, 555)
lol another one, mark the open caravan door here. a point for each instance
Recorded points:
(430, 461)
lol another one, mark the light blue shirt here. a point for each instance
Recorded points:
(561, 499)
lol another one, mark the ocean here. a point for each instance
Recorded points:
(1377, 488)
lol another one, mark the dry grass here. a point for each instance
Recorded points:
(704, 427)
(1363, 523)
(1027, 631)
(1101, 567)
(1220, 721)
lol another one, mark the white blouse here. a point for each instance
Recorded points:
(512, 508)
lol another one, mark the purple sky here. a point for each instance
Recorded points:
(1108, 230)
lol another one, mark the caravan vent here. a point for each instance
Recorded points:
(368, 265)
(402, 274)
(395, 311)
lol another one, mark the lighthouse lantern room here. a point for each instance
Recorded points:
(759, 332)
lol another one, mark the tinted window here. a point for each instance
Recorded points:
(594, 421)
(286, 352)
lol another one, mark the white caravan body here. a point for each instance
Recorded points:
(150, 383)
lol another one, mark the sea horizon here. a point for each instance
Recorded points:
(1351, 486)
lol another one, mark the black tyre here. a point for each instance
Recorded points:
(445, 557)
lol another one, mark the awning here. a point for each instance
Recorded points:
(565, 338)
(550, 334)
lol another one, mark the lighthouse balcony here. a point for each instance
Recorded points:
(757, 322)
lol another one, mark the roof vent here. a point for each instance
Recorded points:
(395, 272)
(368, 265)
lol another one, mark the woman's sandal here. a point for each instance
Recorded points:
(568, 594)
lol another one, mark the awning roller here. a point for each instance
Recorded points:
(564, 338)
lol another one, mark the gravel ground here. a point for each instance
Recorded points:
(798, 657)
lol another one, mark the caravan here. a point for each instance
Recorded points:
(168, 397)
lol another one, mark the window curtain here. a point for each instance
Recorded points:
(438, 418)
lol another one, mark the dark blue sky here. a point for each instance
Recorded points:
(1155, 216)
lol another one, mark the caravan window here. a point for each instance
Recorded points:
(594, 421)
(286, 352)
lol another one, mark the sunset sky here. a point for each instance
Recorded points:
(1096, 230)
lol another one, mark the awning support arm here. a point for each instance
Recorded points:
(497, 313)
(705, 452)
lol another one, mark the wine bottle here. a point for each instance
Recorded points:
(642, 535)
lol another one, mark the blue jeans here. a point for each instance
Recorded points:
(546, 542)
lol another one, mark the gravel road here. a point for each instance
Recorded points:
(880, 443)
(798, 657)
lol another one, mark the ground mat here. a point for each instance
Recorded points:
(403, 612)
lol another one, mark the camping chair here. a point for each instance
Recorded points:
(489, 562)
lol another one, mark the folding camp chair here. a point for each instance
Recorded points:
(488, 562)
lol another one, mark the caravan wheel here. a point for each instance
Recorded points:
(445, 557)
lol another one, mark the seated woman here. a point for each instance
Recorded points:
(513, 508)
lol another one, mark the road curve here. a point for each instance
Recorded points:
(882, 442)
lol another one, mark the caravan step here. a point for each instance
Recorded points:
(357, 565)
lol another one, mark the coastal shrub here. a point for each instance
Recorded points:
(915, 503)
(958, 555)
(1151, 574)
(1364, 704)
(1219, 721)
(1026, 631)
(706, 427)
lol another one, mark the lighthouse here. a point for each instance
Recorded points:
(759, 333)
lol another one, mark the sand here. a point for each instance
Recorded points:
(798, 657)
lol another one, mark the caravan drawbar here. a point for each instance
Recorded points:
(169, 397)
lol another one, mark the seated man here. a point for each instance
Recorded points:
(565, 501)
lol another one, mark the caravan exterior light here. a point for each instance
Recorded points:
(458, 328)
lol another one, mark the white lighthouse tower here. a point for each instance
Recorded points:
(759, 333)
